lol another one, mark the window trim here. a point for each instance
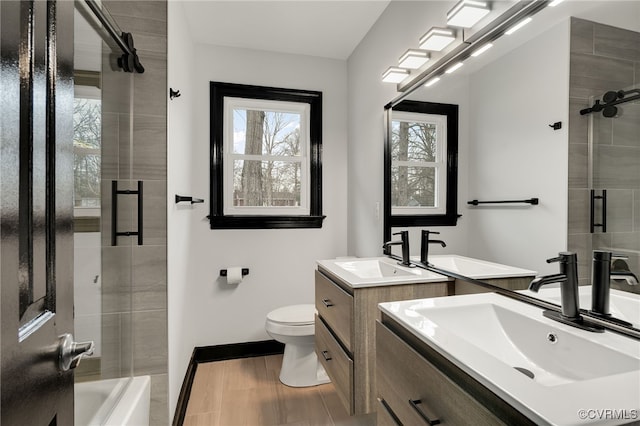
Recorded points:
(217, 218)
(451, 216)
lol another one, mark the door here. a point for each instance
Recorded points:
(36, 183)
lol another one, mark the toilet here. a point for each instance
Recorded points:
(294, 326)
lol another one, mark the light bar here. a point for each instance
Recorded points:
(482, 50)
(519, 25)
(437, 39)
(395, 75)
(431, 82)
(454, 67)
(413, 59)
(466, 13)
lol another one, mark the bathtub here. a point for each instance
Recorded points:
(113, 402)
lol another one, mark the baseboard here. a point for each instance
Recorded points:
(203, 354)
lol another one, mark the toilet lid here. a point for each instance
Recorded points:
(293, 315)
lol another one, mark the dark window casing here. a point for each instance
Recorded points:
(217, 218)
(450, 218)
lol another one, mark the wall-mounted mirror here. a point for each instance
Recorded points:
(522, 137)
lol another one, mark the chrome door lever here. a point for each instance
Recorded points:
(71, 352)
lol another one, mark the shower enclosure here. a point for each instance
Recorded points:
(614, 179)
(107, 216)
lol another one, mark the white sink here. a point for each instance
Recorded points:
(545, 369)
(518, 341)
(476, 268)
(622, 305)
(376, 271)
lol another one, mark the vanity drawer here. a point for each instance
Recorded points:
(416, 390)
(337, 363)
(386, 417)
(335, 306)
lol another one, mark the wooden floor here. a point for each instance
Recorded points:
(247, 392)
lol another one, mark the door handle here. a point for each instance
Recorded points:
(70, 352)
(326, 356)
(327, 302)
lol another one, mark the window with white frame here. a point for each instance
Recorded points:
(265, 157)
(418, 163)
(266, 165)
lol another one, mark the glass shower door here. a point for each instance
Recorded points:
(105, 210)
(615, 185)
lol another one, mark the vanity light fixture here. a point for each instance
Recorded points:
(413, 59)
(519, 25)
(395, 75)
(454, 67)
(555, 3)
(437, 39)
(431, 82)
(466, 13)
(482, 50)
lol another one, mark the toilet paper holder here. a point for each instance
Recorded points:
(223, 272)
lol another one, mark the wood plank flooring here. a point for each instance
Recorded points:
(247, 392)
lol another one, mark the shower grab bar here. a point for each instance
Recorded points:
(532, 201)
(114, 213)
(592, 208)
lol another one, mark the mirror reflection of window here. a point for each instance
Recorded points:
(418, 163)
(87, 123)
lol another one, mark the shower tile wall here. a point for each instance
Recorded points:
(144, 311)
(604, 58)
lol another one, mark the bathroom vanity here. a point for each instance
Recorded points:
(496, 274)
(489, 359)
(347, 295)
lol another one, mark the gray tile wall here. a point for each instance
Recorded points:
(135, 303)
(604, 58)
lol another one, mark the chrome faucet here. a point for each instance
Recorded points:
(424, 248)
(404, 241)
(568, 279)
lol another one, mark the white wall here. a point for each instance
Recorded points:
(203, 309)
(180, 218)
(516, 155)
(399, 28)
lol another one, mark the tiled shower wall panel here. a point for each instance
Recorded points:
(604, 58)
(147, 21)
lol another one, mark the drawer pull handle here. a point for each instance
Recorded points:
(328, 303)
(414, 403)
(390, 412)
(326, 356)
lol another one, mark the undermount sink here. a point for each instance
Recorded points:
(374, 268)
(530, 346)
(545, 369)
(622, 305)
(372, 271)
(476, 268)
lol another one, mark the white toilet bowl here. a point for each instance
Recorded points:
(294, 326)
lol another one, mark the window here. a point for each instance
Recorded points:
(421, 157)
(418, 163)
(87, 118)
(265, 157)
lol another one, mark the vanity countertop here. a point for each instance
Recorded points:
(376, 271)
(475, 268)
(577, 375)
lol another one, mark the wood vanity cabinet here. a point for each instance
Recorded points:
(511, 283)
(345, 332)
(418, 386)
